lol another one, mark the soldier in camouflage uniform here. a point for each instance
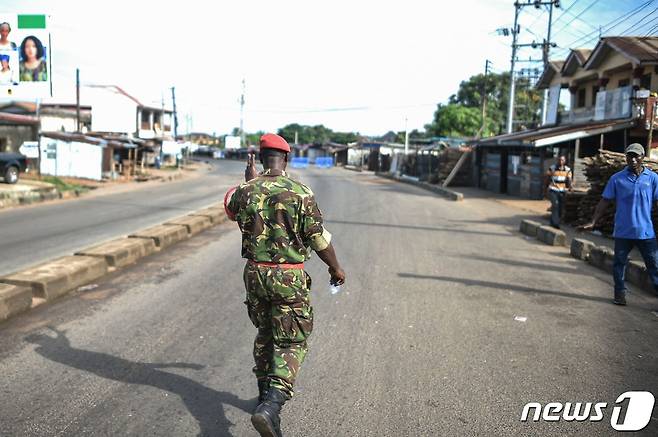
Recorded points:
(281, 224)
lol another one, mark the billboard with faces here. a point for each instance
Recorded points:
(25, 68)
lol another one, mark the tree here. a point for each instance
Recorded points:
(317, 134)
(455, 120)
(527, 103)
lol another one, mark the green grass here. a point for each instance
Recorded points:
(63, 186)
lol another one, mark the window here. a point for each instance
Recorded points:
(3, 145)
(582, 93)
(146, 120)
(645, 81)
(595, 89)
(623, 82)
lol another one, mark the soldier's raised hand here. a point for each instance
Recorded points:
(250, 172)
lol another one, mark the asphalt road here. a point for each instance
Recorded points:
(422, 341)
(42, 232)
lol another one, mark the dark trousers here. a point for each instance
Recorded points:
(623, 247)
(557, 202)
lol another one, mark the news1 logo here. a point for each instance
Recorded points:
(637, 417)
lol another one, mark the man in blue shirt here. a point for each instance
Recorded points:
(634, 190)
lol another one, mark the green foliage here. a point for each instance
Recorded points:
(455, 120)
(467, 120)
(62, 185)
(318, 134)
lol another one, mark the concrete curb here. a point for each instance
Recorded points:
(55, 278)
(551, 236)
(21, 290)
(14, 300)
(581, 248)
(121, 252)
(163, 235)
(529, 227)
(445, 192)
(193, 223)
(601, 257)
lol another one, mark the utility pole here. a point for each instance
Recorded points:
(545, 47)
(406, 136)
(487, 64)
(242, 135)
(77, 100)
(515, 31)
(173, 98)
(545, 50)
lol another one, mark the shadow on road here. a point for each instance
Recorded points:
(513, 263)
(417, 228)
(205, 404)
(507, 287)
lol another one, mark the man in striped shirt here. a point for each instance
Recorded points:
(558, 182)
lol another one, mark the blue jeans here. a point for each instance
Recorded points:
(623, 247)
(557, 203)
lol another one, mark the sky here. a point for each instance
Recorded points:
(362, 66)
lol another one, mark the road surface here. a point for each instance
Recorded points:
(38, 233)
(449, 323)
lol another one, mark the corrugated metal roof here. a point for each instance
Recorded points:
(544, 136)
(18, 118)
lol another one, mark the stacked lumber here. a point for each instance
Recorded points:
(447, 160)
(579, 207)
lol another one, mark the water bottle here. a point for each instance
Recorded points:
(334, 289)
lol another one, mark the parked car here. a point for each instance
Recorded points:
(11, 166)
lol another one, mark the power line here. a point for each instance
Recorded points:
(652, 30)
(565, 11)
(639, 23)
(609, 26)
(578, 16)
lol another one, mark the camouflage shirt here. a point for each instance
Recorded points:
(279, 219)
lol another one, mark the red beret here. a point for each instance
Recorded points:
(274, 141)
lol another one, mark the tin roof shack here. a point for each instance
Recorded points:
(78, 155)
(114, 111)
(19, 122)
(372, 155)
(16, 129)
(609, 106)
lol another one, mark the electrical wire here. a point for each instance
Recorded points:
(579, 15)
(608, 26)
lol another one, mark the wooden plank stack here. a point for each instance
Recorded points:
(447, 160)
(579, 206)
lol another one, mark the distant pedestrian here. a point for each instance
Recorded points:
(281, 226)
(559, 179)
(635, 191)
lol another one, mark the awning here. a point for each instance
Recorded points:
(547, 136)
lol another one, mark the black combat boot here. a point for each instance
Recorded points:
(266, 418)
(263, 386)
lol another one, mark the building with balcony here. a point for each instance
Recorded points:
(603, 98)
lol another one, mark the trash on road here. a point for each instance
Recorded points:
(88, 287)
(520, 318)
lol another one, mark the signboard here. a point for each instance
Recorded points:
(231, 142)
(553, 101)
(30, 149)
(613, 104)
(25, 68)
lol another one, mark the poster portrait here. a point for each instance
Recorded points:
(25, 67)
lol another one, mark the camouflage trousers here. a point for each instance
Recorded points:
(278, 305)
